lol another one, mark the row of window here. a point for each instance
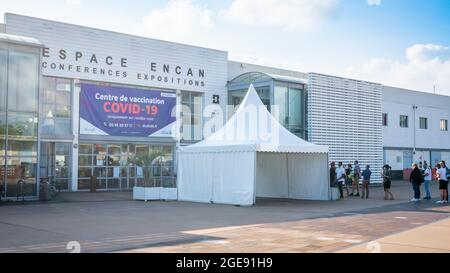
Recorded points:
(423, 122)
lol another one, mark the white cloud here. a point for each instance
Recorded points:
(374, 2)
(287, 14)
(179, 20)
(426, 65)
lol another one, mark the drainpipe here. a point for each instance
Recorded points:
(414, 122)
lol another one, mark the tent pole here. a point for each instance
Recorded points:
(255, 171)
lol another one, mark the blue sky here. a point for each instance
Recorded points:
(396, 42)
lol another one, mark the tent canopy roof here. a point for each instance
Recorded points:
(253, 128)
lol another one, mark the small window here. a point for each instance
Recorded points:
(423, 123)
(444, 125)
(404, 121)
(385, 119)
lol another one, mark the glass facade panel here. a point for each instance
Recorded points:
(292, 110)
(237, 96)
(2, 133)
(23, 82)
(3, 91)
(84, 172)
(281, 96)
(191, 116)
(57, 109)
(22, 125)
(295, 107)
(21, 168)
(124, 165)
(297, 112)
(3, 77)
(55, 162)
(22, 148)
(86, 149)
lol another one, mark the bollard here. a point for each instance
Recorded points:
(93, 184)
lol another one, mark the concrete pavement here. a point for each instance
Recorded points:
(110, 222)
(432, 238)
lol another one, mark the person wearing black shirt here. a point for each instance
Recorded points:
(333, 175)
(416, 180)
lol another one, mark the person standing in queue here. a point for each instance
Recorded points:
(356, 178)
(341, 178)
(366, 174)
(428, 175)
(333, 175)
(387, 181)
(443, 183)
(416, 179)
(349, 178)
(448, 176)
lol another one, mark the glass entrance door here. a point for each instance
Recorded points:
(55, 164)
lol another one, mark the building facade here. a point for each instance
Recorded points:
(105, 104)
(78, 102)
(415, 128)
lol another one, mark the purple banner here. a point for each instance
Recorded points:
(120, 111)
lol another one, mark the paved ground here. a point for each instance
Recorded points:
(110, 222)
(432, 238)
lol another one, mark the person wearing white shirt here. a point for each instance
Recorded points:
(428, 175)
(443, 183)
(341, 177)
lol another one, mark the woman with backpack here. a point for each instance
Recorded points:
(416, 180)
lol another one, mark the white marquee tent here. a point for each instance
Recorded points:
(252, 156)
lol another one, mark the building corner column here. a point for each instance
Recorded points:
(76, 133)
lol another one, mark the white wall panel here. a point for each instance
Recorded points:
(345, 115)
(394, 158)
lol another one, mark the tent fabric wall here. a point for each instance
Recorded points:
(195, 184)
(271, 175)
(225, 177)
(308, 177)
(294, 176)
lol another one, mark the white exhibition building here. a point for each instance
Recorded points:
(88, 108)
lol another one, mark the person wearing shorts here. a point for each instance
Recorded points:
(443, 184)
(387, 183)
(448, 176)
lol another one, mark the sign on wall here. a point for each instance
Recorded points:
(120, 111)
